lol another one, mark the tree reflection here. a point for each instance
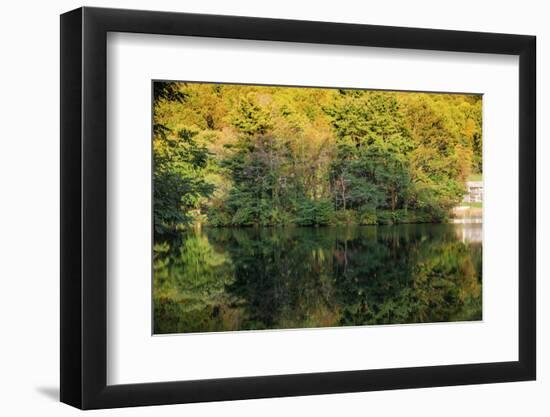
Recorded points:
(270, 278)
(190, 278)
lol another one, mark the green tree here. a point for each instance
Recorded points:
(370, 170)
(179, 185)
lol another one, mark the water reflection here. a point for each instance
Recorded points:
(253, 279)
(470, 232)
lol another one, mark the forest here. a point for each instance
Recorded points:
(248, 155)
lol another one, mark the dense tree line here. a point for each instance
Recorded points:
(231, 155)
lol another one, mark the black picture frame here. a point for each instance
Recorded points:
(84, 207)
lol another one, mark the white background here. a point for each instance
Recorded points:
(29, 217)
(133, 60)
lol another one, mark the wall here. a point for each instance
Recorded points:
(29, 222)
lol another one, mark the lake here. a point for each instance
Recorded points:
(228, 279)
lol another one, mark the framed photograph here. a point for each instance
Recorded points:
(257, 208)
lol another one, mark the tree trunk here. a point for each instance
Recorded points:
(343, 185)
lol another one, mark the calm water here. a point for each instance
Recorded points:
(253, 279)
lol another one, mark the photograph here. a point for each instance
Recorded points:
(292, 207)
